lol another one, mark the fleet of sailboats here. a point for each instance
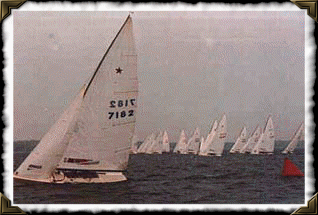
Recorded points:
(259, 142)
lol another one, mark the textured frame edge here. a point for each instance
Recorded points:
(311, 207)
(6, 7)
(310, 5)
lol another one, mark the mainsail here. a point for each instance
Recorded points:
(293, 143)
(165, 142)
(94, 145)
(252, 141)
(181, 146)
(156, 146)
(216, 146)
(240, 142)
(144, 147)
(194, 142)
(205, 144)
(266, 143)
(134, 144)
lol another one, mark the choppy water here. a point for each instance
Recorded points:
(178, 179)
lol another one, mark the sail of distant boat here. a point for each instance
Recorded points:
(252, 141)
(165, 143)
(240, 142)
(207, 142)
(156, 145)
(144, 147)
(266, 143)
(194, 142)
(91, 141)
(293, 143)
(182, 146)
(216, 146)
(134, 146)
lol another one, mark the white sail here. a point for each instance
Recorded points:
(41, 163)
(194, 142)
(99, 148)
(156, 146)
(134, 146)
(217, 144)
(181, 146)
(205, 144)
(107, 119)
(240, 142)
(293, 143)
(255, 150)
(252, 141)
(165, 142)
(267, 143)
(146, 144)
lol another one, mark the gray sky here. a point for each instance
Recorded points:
(192, 68)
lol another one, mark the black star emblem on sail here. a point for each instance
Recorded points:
(118, 70)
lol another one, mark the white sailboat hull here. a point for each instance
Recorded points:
(105, 177)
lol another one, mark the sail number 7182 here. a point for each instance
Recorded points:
(121, 103)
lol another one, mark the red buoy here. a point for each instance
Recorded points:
(291, 169)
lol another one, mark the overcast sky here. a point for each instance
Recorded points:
(192, 68)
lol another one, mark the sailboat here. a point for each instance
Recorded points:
(91, 141)
(216, 147)
(252, 141)
(293, 143)
(194, 142)
(156, 145)
(207, 142)
(240, 142)
(182, 146)
(165, 143)
(266, 142)
(143, 148)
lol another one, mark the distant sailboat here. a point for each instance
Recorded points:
(293, 143)
(266, 142)
(252, 141)
(156, 146)
(240, 142)
(207, 142)
(144, 147)
(194, 142)
(91, 141)
(216, 147)
(182, 146)
(165, 143)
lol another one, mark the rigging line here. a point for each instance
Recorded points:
(100, 63)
